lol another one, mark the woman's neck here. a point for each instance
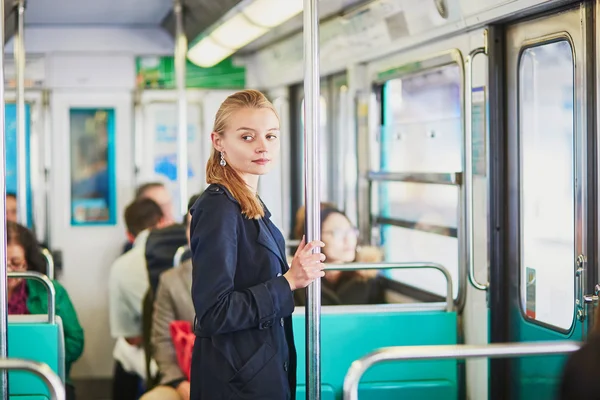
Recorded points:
(251, 182)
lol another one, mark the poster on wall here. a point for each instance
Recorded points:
(93, 197)
(161, 151)
(10, 133)
(158, 72)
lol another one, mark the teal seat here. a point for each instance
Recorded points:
(327, 392)
(350, 332)
(31, 337)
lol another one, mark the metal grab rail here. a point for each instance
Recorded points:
(49, 263)
(179, 255)
(46, 282)
(407, 265)
(439, 178)
(496, 350)
(43, 371)
(468, 171)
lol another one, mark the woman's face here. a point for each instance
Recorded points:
(340, 239)
(15, 255)
(250, 142)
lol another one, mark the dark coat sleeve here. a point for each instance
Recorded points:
(216, 232)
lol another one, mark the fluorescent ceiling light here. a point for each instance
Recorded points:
(247, 24)
(207, 53)
(270, 13)
(237, 32)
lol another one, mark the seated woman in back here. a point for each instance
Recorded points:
(581, 374)
(29, 296)
(341, 247)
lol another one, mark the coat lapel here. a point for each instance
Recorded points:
(265, 238)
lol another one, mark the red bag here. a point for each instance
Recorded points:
(183, 340)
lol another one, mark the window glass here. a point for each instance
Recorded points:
(92, 166)
(546, 132)
(422, 122)
(422, 133)
(323, 146)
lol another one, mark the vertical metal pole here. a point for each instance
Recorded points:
(138, 134)
(311, 177)
(3, 285)
(21, 139)
(180, 60)
(47, 166)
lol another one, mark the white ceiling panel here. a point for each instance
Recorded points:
(97, 12)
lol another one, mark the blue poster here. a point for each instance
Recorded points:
(10, 126)
(93, 187)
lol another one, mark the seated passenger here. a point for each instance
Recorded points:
(341, 239)
(128, 283)
(157, 192)
(11, 207)
(581, 374)
(29, 296)
(173, 303)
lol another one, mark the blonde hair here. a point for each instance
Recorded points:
(226, 176)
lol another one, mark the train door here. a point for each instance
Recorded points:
(547, 75)
(155, 146)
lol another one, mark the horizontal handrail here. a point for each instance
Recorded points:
(404, 265)
(46, 282)
(49, 263)
(464, 351)
(179, 255)
(292, 243)
(43, 371)
(439, 178)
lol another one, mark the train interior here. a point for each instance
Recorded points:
(448, 131)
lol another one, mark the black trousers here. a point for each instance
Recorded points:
(125, 386)
(70, 392)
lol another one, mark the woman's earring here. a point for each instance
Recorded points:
(223, 162)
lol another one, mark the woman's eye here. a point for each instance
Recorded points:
(247, 138)
(271, 137)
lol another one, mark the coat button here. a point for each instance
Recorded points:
(267, 324)
(281, 322)
(285, 366)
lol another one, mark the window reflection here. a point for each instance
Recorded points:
(546, 118)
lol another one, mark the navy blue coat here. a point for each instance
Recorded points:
(244, 346)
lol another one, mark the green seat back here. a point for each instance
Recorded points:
(31, 337)
(349, 333)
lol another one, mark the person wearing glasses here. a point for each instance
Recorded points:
(29, 296)
(341, 247)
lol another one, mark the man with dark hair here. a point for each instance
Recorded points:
(128, 283)
(140, 215)
(11, 207)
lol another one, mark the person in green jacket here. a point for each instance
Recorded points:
(30, 297)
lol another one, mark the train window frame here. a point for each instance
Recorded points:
(110, 166)
(556, 38)
(450, 57)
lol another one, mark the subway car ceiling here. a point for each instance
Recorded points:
(199, 16)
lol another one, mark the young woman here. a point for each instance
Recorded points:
(29, 297)
(341, 247)
(242, 288)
